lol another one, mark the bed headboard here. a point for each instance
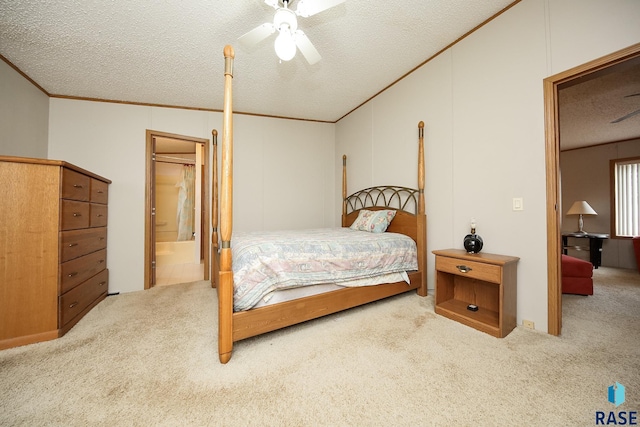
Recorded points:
(409, 203)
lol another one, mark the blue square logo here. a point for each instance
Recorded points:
(616, 394)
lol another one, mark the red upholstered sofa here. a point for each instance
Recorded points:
(577, 276)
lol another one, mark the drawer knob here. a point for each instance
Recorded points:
(73, 304)
(100, 191)
(99, 215)
(77, 186)
(463, 268)
(72, 245)
(75, 273)
(77, 214)
(101, 283)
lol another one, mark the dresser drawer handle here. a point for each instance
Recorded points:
(78, 186)
(76, 214)
(100, 191)
(99, 215)
(100, 238)
(101, 283)
(100, 261)
(463, 268)
(75, 273)
(72, 245)
(73, 304)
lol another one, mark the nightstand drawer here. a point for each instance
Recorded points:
(470, 269)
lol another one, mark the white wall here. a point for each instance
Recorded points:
(24, 116)
(482, 102)
(273, 158)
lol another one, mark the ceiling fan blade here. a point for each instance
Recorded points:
(309, 51)
(627, 116)
(256, 35)
(311, 7)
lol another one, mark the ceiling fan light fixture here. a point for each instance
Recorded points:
(285, 46)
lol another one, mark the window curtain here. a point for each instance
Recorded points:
(628, 199)
(186, 203)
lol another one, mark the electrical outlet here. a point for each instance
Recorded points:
(528, 324)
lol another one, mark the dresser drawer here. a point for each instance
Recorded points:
(76, 271)
(74, 215)
(73, 302)
(470, 269)
(99, 191)
(98, 215)
(75, 186)
(75, 243)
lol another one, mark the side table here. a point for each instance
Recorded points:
(488, 281)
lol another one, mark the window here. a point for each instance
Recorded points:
(625, 190)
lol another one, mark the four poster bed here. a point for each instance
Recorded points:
(268, 292)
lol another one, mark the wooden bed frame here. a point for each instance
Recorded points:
(235, 326)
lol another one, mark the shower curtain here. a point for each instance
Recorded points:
(186, 203)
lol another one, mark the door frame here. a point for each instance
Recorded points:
(150, 194)
(552, 149)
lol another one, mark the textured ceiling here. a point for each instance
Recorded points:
(170, 52)
(588, 106)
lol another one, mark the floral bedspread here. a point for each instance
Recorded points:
(264, 262)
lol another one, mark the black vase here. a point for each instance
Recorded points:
(473, 243)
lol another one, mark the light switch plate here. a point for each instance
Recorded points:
(518, 204)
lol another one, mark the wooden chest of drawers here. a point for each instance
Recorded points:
(53, 248)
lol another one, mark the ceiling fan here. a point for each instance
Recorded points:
(286, 23)
(631, 114)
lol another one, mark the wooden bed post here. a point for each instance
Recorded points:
(344, 190)
(215, 266)
(225, 285)
(422, 217)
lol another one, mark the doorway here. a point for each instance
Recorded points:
(552, 147)
(177, 223)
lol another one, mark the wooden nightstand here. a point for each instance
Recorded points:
(488, 281)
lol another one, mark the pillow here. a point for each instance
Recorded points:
(373, 221)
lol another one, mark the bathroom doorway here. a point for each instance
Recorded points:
(177, 209)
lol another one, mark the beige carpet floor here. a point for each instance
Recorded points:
(150, 358)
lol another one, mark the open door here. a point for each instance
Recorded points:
(151, 212)
(552, 145)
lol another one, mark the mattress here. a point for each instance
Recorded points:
(266, 262)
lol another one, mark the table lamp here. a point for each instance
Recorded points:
(581, 207)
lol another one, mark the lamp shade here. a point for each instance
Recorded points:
(581, 207)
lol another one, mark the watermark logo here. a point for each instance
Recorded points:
(616, 394)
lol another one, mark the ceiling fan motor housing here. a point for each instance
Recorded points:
(285, 17)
